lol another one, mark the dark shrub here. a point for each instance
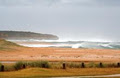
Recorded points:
(42, 64)
(19, 65)
(74, 65)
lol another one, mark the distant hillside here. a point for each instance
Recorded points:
(26, 35)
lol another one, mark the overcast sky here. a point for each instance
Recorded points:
(68, 19)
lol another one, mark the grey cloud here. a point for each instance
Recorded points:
(108, 2)
(27, 2)
(65, 18)
(59, 2)
(93, 2)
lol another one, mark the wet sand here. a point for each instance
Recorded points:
(61, 54)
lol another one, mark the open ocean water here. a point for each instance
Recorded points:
(68, 44)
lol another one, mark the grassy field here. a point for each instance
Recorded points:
(44, 72)
(7, 45)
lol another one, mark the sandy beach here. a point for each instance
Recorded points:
(61, 54)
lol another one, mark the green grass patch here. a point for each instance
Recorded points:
(44, 64)
(19, 65)
(74, 65)
(7, 45)
(41, 64)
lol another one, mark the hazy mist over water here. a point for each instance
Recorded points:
(86, 20)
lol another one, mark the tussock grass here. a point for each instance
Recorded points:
(35, 69)
(74, 65)
(19, 65)
(91, 65)
(57, 65)
(9, 68)
(41, 64)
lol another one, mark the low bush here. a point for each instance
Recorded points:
(111, 65)
(91, 65)
(9, 68)
(58, 65)
(42, 64)
(19, 65)
(74, 65)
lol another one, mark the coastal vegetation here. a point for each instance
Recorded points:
(36, 69)
(21, 35)
(7, 45)
(58, 65)
(41, 64)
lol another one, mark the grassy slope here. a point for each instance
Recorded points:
(40, 72)
(7, 45)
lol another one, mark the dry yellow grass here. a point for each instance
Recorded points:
(40, 72)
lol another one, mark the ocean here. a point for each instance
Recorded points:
(68, 44)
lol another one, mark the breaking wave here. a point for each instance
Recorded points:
(69, 44)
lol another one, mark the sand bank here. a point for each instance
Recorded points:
(61, 54)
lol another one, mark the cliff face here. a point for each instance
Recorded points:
(26, 35)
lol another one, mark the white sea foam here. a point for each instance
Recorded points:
(40, 45)
(69, 44)
(105, 45)
(76, 45)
